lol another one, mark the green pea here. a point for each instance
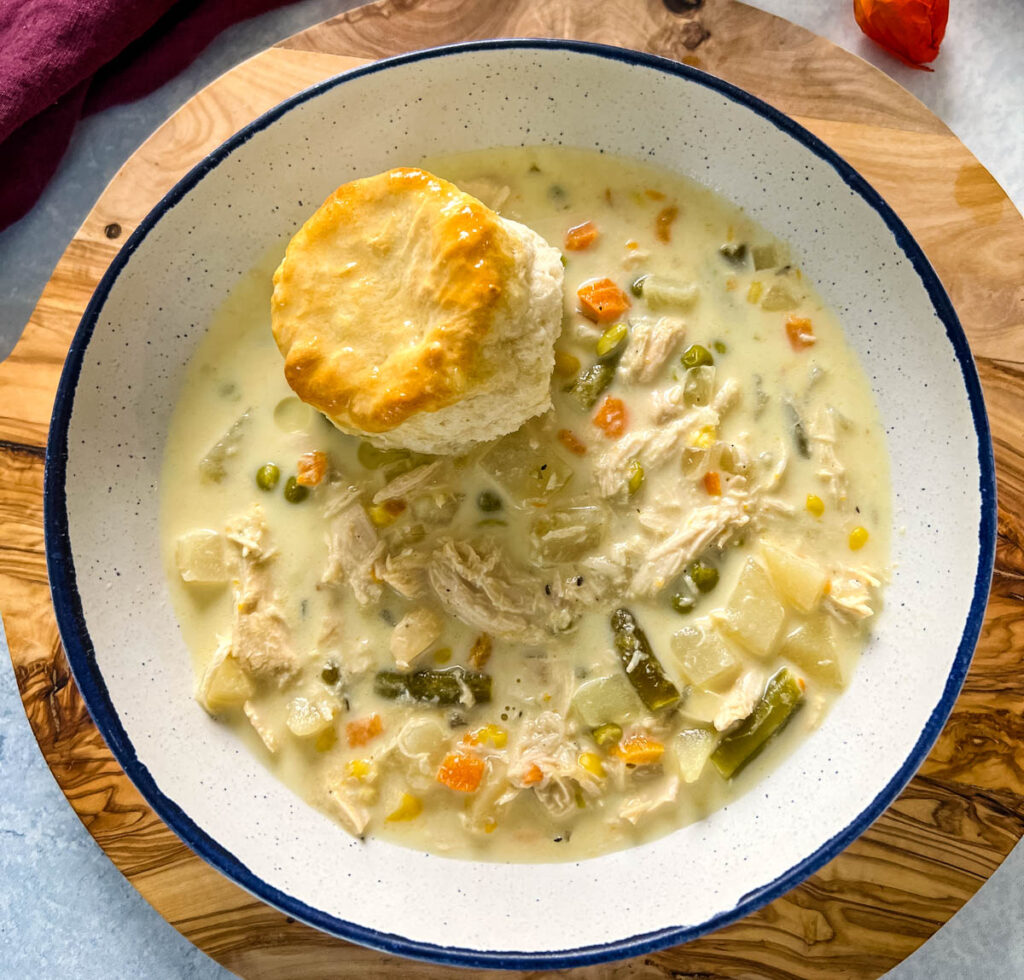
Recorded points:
(267, 476)
(636, 476)
(697, 356)
(703, 575)
(720, 347)
(607, 734)
(330, 674)
(612, 342)
(683, 603)
(636, 287)
(488, 501)
(294, 492)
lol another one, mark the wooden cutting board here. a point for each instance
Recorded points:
(956, 821)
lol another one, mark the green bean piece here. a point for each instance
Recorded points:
(612, 342)
(641, 665)
(294, 492)
(636, 287)
(435, 686)
(330, 674)
(697, 356)
(796, 426)
(734, 252)
(683, 603)
(720, 347)
(703, 574)
(781, 698)
(267, 476)
(607, 734)
(636, 476)
(488, 501)
(589, 385)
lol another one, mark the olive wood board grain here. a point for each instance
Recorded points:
(863, 912)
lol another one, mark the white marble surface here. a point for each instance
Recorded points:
(64, 909)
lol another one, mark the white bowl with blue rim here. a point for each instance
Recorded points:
(123, 374)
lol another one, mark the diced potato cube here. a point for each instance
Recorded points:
(704, 658)
(693, 749)
(224, 684)
(800, 582)
(701, 706)
(266, 732)
(526, 466)
(567, 533)
(754, 614)
(606, 699)
(815, 647)
(311, 716)
(202, 557)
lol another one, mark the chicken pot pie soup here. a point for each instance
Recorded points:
(580, 635)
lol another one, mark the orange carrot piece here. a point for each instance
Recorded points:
(713, 483)
(581, 237)
(639, 750)
(364, 730)
(611, 417)
(569, 439)
(800, 332)
(533, 775)
(654, 195)
(461, 772)
(601, 300)
(312, 468)
(663, 223)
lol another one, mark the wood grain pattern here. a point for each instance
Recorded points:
(954, 823)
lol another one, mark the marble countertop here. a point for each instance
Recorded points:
(65, 910)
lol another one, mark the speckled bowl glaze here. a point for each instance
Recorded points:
(128, 360)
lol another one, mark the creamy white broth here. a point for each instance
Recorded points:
(237, 370)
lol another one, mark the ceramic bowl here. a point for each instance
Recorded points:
(128, 360)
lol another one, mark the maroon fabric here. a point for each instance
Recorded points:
(61, 59)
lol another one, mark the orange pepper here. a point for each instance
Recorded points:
(362, 731)
(911, 29)
(611, 417)
(713, 483)
(461, 772)
(569, 439)
(663, 223)
(800, 331)
(581, 237)
(311, 469)
(602, 301)
(639, 750)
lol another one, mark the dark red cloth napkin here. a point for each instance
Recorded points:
(62, 59)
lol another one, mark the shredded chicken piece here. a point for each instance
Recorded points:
(638, 807)
(267, 735)
(740, 700)
(413, 633)
(260, 639)
(634, 257)
(431, 478)
(482, 587)
(655, 445)
(405, 572)
(489, 190)
(851, 594)
(352, 812)
(702, 527)
(822, 436)
(650, 344)
(352, 545)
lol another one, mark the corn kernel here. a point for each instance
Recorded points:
(490, 825)
(815, 504)
(858, 538)
(326, 739)
(409, 808)
(592, 763)
(704, 437)
(380, 515)
(636, 476)
(358, 768)
(566, 364)
(442, 655)
(754, 292)
(494, 734)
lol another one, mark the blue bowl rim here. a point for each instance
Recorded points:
(81, 654)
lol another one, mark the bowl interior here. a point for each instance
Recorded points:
(121, 383)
